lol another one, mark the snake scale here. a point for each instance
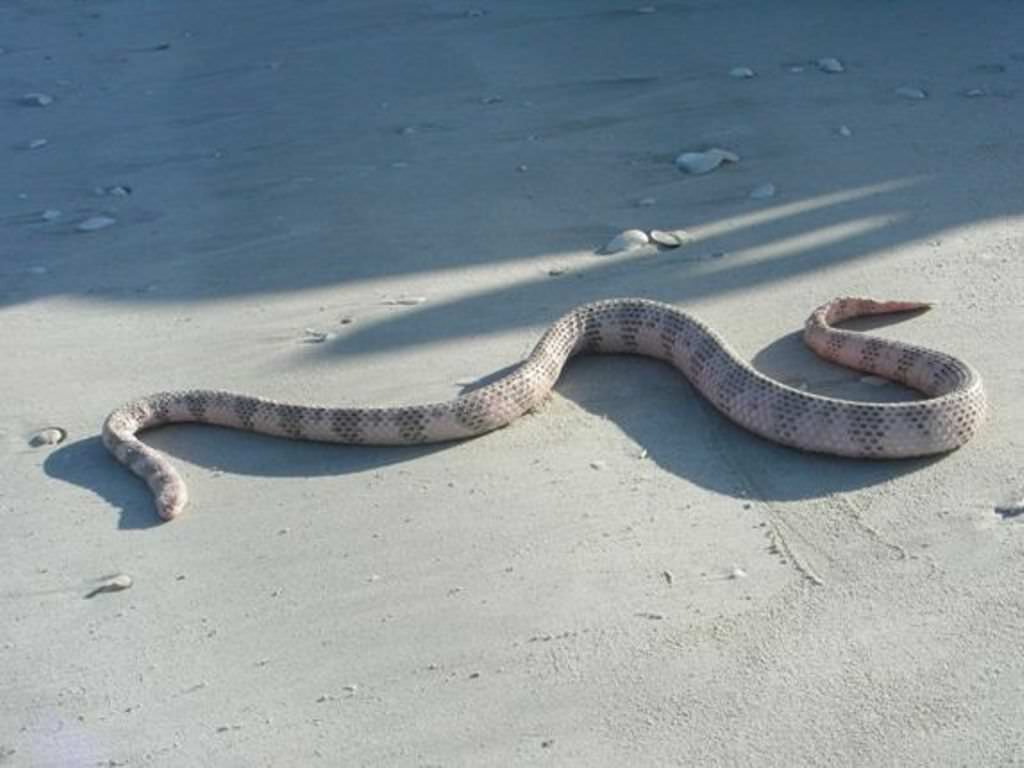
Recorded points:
(952, 411)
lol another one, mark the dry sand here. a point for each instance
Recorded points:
(621, 579)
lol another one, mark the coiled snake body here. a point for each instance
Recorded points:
(952, 412)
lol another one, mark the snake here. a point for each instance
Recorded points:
(951, 412)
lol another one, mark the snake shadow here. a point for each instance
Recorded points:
(648, 400)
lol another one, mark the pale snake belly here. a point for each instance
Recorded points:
(952, 411)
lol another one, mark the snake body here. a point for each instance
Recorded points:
(951, 413)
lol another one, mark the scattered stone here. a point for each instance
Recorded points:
(796, 68)
(974, 93)
(405, 301)
(557, 271)
(491, 100)
(737, 573)
(667, 239)
(698, 163)
(652, 615)
(50, 214)
(641, 454)
(313, 336)
(762, 192)
(718, 255)
(347, 319)
(844, 130)
(94, 223)
(48, 436)
(1010, 510)
(598, 465)
(226, 728)
(350, 688)
(117, 583)
(646, 202)
(36, 144)
(474, 675)
(742, 73)
(117, 190)
(668, 576)
(547, 744)
(909, 92)
(36, 100)
(522, 168)
(627, 240)
(830, 65)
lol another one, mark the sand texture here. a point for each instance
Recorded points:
(381, 203)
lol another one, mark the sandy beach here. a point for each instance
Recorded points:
(381, 203)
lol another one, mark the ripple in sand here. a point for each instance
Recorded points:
(624, 241)
(698, 163)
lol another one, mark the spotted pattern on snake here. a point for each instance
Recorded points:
(951, 413)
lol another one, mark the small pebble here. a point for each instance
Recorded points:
(974, 93)
(762, 192)
(50, 214)
(831, 65)
(557, 271)
(742, 73)
(36, 100)
(598, 465)
(522, 168)
(405, 301)
(491, 100)
(698, 163)
(36, 144)
(668, 576)
(666, 239)
(547, 744)
(624, 241)
(313, 336)
(1010, 510)
(653, 615)
(737, 573)
(117, 190)
(347, 319)
(909, 92)
(48, 436)
(796, 68)
(844, 130)
(350, 688)
(117, 583)
(94, 223)
(646, 202)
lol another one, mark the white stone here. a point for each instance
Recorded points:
(698, 163)
(627, 240)
(742, 73)
(909, 92)
(94, 223)
(831, 65)
(36, 100)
